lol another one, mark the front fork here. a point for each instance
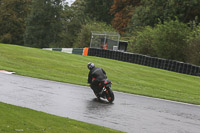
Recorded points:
(104, 92)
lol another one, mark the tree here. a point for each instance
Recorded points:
(193, 50)
(99, 9)
(143, 42)
(147, 14)
(73, 18)
(122, 11)
(185, 10)
(150, 12)
(166, 40)
(169, 40)
(12, 18)
(84, 36)
(44, 24)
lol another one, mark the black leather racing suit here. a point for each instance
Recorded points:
(96, 76)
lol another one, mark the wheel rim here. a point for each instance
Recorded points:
(109, 98)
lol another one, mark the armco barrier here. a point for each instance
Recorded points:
(160, 63)
(67, 50)
(77, 51)
(80, 51)
(57, 49)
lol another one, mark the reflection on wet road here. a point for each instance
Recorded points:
(129, 113)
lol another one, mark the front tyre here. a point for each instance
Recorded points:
(110, 95)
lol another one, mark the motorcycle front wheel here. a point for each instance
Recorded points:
(110, 95)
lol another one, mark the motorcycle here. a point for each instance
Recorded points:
(106, 91)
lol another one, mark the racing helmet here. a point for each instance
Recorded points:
(90, 65)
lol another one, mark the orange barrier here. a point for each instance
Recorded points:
(85, 51)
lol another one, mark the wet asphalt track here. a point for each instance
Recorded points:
(129, 113)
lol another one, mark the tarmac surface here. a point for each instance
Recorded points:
(128, 113)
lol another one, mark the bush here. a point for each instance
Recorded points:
(84, 37)
(166, 40)
(170, 40)
(143, 42)
(193, 50)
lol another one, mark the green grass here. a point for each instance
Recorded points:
(126, 77)
(70, 68)
(18, 119)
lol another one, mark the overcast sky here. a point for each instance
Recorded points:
(70, 1)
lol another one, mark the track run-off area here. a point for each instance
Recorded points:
(129, 113)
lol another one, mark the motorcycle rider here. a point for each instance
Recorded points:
(95, 78)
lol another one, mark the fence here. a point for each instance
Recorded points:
(140, 59)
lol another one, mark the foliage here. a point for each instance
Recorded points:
(193, 50)
(147, 14)
(99, 10)
(84, 37)
(43, 25)
(144, 42)
(164, 40)
(185, 10)
(150, 12)
(72, 19)
(12, 20)
(169, 40)
(122, 11)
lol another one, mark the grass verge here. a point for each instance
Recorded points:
(18, 119)
(126, 77)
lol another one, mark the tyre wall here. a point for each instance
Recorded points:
(140, 59)
(170, 65)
